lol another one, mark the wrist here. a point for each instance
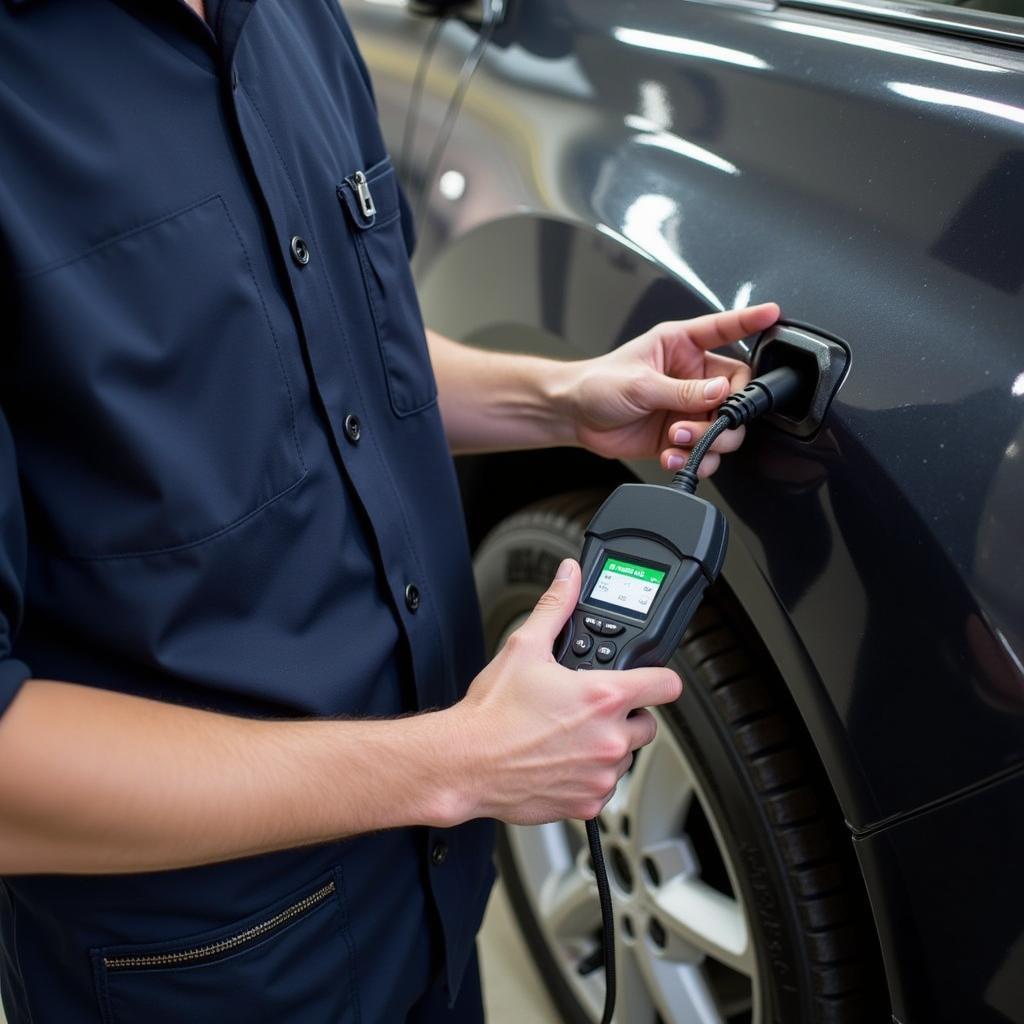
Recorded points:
(446, 777)
(558, 383)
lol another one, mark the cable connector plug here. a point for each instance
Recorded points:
(772, 390)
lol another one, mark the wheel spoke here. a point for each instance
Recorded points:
(542, 851)
(635, 1004)
(660, 789)
(706, 920)
(569, 905)
(617, 807)
(679, 990)
(669, 858)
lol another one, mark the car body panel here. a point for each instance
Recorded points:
(952, 922)
(828, 164)
(628, 163)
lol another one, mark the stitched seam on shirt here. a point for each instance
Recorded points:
(99, 246)
(386, 469)
(366, 268)
(273, 333)
(17, 953)
(379, 223)
(185, 545)
(341, 898)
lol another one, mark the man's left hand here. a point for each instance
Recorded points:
(653, 395)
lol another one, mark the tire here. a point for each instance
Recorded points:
(738, 900)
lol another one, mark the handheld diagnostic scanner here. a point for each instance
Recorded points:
(648, 556)
(650, 551)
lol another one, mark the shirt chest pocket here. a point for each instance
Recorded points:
(371, 202)
(156, 410)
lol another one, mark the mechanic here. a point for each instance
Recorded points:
(241, 778)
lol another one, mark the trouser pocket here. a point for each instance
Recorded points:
(288, 962)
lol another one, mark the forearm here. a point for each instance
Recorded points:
(94, 782)
(494, 401)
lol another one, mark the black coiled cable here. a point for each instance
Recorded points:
(686, 478)
(771, 390)
(604, 895)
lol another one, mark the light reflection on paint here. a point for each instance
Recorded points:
(742, 298)
(885, 45)
(655, 105)
(1018, 386)
(687, 47)
(647, 223)
(452, 185)
(651, 136)
(926, 94)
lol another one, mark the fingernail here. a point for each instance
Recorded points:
(683, 436)
(564, 570)
(713, 387)
(675, 462)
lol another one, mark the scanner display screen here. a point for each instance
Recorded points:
(627, 585)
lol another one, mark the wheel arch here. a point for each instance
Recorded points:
(559, 288)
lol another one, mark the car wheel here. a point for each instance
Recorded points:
(737, 899)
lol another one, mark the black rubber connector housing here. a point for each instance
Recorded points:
(821, 359)
(771, 391)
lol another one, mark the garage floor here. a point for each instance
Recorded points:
(513, 990)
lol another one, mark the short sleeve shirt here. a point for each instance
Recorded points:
(224, 480)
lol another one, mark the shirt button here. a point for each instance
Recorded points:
(300, 251)
(412, 597)
(439, 854)
(352, 428)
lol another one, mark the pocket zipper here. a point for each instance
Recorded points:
(222, 946)
(362, 188)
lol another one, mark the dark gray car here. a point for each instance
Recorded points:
(830, 827)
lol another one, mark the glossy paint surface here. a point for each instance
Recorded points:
(623, 163)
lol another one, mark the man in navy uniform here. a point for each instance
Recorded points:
(241, 777)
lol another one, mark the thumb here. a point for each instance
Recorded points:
(554, 607)
(693, 396)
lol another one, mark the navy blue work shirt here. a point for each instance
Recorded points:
(224, 480)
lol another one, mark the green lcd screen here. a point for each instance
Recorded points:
(627, 585)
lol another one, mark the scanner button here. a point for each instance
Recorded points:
(611, 628)
(582, 644)
(605, 652)
(584, 665)
(595, 625)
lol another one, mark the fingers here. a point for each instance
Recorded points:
(646, 687)
(737, 371)
(686, 433)
(553, 609)
(674, 459)
(718, 329)
(696, 396)
(700, 395)
(641, 727)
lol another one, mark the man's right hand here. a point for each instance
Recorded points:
(530, 742)
(539, 742)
